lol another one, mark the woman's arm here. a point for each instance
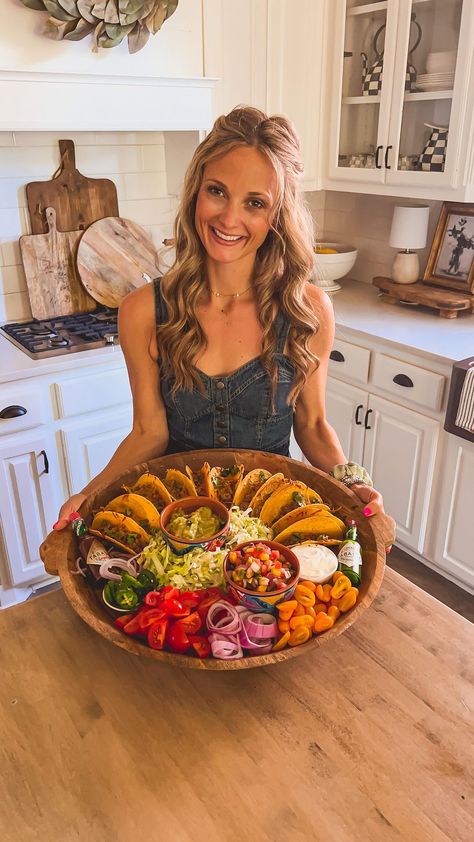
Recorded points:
(149, 435)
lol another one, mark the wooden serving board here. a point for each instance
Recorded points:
(114, 257)
(448, 303)
(77, 200)
(49, 262)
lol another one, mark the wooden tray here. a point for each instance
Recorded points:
(447, 302)
(59, 552)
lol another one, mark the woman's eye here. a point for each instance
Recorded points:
(215, 191)
(256, 203)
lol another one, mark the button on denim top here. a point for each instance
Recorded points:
(234, 410)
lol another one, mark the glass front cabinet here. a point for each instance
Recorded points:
(400, 96)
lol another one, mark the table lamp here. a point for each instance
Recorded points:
(408, 232)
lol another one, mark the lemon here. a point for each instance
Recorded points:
(320, 250)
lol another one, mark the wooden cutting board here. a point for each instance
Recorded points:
(77, 200)
(49, 262)
(114, 257)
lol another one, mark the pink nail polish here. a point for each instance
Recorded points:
(55, 524)
(367, 511)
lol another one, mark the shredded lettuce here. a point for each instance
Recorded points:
(200, 568)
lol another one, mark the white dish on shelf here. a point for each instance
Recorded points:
(328, 268)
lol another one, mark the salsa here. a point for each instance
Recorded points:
(257, 567)
(200, 523)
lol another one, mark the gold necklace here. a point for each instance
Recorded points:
(230, 294)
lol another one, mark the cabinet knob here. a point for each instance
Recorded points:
(337, 357)
(13, 411)
(403, 380)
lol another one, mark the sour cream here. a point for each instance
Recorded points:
(317, 562)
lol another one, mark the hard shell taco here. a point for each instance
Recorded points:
(224, 482)
(264, 492)
(178, 484)
(292, 495)
(298, 514)
(249, 485)
(201, 479)
(323, 523)
(121, 530)
(138, 508)
(151, 487)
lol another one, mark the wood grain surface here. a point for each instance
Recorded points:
(114, 257)
(77, 200)
(54, 287)
(446, 302)
(367, 739)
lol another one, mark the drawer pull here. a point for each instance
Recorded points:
(357, 419)
(387, 165)
(13, 411)
(403, 380)
(377, 153)
(337, 357)
(46, 461)
(366, 426)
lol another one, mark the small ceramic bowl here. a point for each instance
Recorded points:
(331, 267)
(180, 546)
(116, 610)
(263, 601)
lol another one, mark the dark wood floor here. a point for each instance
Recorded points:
(431, 582)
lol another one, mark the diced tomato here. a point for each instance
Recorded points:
(275, 554)
(191, 624)
(201, 645)
(157, 634)
(176, 638)
(153, 598)
(175, 608)
(148, 616)
(122, 621)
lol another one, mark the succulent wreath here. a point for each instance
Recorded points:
(108, 21)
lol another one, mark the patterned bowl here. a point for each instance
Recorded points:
(263, 601)
(181, 546)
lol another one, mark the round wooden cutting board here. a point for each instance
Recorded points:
(114, 257)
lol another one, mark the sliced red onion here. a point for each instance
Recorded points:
(106, 572)
(79, 568)
(261, 626)
(225, 647)
(228, 623)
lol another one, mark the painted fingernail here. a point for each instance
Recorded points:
(55, 524)
(367, 511)
(387, 552)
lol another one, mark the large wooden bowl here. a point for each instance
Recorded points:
(59, 553)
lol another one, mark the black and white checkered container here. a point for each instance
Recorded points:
(433, 157)
(372, 81)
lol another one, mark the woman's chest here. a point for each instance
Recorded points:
(232, 339)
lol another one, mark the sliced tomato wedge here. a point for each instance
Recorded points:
(191, 599)
(191, 624)
(148, 616)
(122, 621)
(175, 608)
(201, 645)
(176, 638)
(153, 598)
(157, 634)
(133, 626)
(169, 592)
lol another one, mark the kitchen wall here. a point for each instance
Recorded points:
(364, 221)
(135, 161)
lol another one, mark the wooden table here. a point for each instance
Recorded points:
(370, 738)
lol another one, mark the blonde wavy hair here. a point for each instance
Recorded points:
(283, 262)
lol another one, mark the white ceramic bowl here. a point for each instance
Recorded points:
(330, 267)
(444, 62)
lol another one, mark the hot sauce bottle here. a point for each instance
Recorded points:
(349, 556)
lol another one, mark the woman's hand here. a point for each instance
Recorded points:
(373, 505)
(67, 509)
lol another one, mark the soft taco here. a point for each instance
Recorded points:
(201, 479)
(120, 530)
(224, 482)
(178, 484)
(298, 514)
(264, 492)
(138, 508)
(151, 487)
(311, 528)
(249, 485)
(292, 495)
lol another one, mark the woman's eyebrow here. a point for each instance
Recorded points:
(250, 193)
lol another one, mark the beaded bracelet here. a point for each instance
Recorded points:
(351, 474)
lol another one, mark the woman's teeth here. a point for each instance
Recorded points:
(227, 237)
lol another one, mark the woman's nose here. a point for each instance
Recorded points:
(229, 216)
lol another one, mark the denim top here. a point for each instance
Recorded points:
(234, 410)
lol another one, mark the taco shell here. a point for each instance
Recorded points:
(138, 508)
(120, 530)
(264, 492)
(249, 485)
(201, 479)
(178, 484)
(292, 495)
(298, 514)
(151, 487)
(224, 482)
(323, 523)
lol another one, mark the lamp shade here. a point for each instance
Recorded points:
(409, 228)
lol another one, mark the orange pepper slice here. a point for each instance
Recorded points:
(336, 575)
(303, 620)
(348, 600)
(281, 643)
(299, 636)
(323, 622)
(321, 606)
(284, 625)
(334, 612)
(305, 596)
(299, 610)
(323, 593)
(308, 584)
(310, 612)
(340, 587)
(285, 609)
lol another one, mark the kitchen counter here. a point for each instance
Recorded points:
(367, 738)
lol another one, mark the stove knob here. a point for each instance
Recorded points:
(109, 338)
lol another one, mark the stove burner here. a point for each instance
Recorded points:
(104, 317)
(41, 329)
(58, 341)
(64, 334)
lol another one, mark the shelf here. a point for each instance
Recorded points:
(367, 9)
(420, 96)
(361, 100)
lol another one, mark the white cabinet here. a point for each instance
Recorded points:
(89, 442)
(452, 514)
(346, 408)
(30, 491)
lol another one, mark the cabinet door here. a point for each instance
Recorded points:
(453, 513)
(90, 442)
(364, 36)
(430, 85)
(345, 409)
(399, 453)
(29, 503)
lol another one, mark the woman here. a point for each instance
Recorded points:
(231, 347)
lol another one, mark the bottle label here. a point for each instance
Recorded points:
(97, 553)
(350, 556)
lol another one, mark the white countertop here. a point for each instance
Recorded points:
(360, 312)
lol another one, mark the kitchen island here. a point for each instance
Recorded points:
(368, 738)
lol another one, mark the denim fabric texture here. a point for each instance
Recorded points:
(234, 410)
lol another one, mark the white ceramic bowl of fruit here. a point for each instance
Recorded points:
(331, 262)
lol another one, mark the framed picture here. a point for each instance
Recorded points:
(451, 260)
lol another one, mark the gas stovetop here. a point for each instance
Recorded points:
(64, 334)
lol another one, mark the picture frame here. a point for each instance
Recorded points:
(451, 259)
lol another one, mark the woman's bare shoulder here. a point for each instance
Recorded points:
(320, 301)
(139, 305)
